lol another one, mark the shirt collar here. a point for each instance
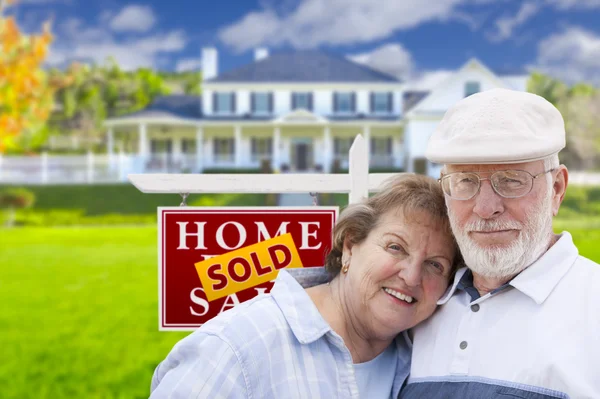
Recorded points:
(538, 280)
(298, 309)
(450, 291)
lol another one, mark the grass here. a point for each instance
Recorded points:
(79, 315)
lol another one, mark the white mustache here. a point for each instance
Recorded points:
(492, 225)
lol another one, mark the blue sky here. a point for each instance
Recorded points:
(417, 40)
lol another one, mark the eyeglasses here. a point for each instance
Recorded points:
(506, 183)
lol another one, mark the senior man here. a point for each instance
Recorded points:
(522, 320)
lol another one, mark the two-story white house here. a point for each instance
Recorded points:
(297, 111)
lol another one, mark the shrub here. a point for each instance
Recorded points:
(16, 198)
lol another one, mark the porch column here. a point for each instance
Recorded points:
(142, 147)
(276, 161)
(238, 146)
(367, 136)
(327, 149)
(199, 149)
(110, 148)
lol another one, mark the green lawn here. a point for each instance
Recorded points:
(79, 315)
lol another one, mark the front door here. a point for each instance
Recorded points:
(301, 152)
(301, 156)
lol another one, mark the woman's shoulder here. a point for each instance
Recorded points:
(249, 317)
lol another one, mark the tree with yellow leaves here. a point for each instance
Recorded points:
(26, 94)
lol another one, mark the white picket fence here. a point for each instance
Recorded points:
(65, 169)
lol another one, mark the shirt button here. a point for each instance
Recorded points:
(475, 308)
(463, 345)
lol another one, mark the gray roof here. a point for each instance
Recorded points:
(412, 98)
(173, 106)
(304, 66)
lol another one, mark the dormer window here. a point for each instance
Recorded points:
(381, 103)
(302, 101)
(472, 88)
(344, 103)
(262, 103)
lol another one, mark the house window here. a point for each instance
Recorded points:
(343, 102)
(188, 146)
(302, 101)
(223, 150)
(381, 145)
(224, 103)
(381, 103)
(341, 147)
(471, 88)
(381, 152)
(262, 103)
(160, 146)
(262, 148)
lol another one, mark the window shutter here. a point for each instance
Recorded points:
(215, 102)
(232, 146)
(270, 145)
(233, 102)
(271, 103)
(215, 145)
(253, 102)
(389, 145)
(336, 145)
(253, 146)
(353, 102)
(293, 101)
(390, 102)
(372, 103)
(310, 101)
(335, 102)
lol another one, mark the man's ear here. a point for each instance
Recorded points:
(559, 188)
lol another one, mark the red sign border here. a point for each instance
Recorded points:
(163, 211)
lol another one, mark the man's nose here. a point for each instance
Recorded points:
(488, 203)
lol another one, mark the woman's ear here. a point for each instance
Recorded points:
(347, 250)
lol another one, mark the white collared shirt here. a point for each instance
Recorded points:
(539, 337)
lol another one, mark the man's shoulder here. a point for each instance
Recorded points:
(585, 270)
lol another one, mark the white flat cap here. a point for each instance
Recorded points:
(497, 126)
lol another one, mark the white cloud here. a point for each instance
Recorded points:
(88, 43)
(134, 18)
(506, 25)
(333, 22)
(188, 64)
(572, 55)
(577, 4)
(392, 59)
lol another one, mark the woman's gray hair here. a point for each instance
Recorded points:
(409, 193)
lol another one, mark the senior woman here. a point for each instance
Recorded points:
(392, 258)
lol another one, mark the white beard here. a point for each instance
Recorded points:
(502, 262)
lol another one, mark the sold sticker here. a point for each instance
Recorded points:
(247, 267)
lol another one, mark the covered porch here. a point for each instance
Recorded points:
(299, 141)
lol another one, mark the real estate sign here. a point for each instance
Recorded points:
(213, 258)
